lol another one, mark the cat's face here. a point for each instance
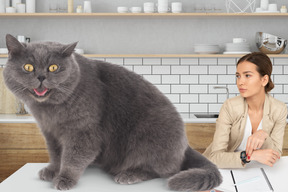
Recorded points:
(43, 72)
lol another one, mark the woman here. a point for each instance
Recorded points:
(250, 126)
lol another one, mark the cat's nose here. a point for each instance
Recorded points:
(41, 78)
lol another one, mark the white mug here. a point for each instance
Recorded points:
(122, 9)
(162, 2)
(10, 10)
(20, 8)
(87, 7)
(149, 7)
(2, 6)
(136, 9)
(163, 9)
(176, 7)
(30, 6)
(23, 39)
(239, 40)
(272, 7)
(264, 5)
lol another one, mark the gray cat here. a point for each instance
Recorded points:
(93, 112)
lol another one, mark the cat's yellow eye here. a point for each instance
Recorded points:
(29, 67)
(53, 68)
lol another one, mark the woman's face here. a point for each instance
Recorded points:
(249, 81)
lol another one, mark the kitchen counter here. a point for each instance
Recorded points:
(13, 118)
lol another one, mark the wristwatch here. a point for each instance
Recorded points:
(243, 157)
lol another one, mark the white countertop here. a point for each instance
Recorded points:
(95, 179)
(13, 118)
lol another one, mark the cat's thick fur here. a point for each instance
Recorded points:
(95, 112)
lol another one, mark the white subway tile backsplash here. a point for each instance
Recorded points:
(174, 98)
(129, 67)
(182, 108)
(285, 89)
(208, 98)
(207, 79)
(189, 98)
(285, 70)
(189, 79)
(198, 108)
(222, 98)
(133, 61)
(170, 79)
(154, 79)
(188, 82)
(217, 69)
(281, 97)
(198, 70)
(226, 79)
(214, 108)
(179, 88)
(198, 88)
(280, 61)
(170, 61)
(231, 69)
(233, 89)
(143, 69)
(280, 79)
(278, 69)
(151, 61)
(118, 61)
(164, 88)
(189, 61)
(227, 61)
(278, 89)
(161, 69)
(208, 61)
(179, 69)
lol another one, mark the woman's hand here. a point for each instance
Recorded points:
(265, 156)
(255, 141)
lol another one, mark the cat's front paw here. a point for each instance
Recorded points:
(46, 174)
(64, 183)
(126, 179)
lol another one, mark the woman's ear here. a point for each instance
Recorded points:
(265, 80)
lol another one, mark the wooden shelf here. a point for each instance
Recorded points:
(170, 55)
(136, 14)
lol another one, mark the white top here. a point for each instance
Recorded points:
(247, 133)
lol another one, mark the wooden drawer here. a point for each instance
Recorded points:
(20, 144)
(21, 136)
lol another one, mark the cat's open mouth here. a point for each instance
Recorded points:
(41, 92)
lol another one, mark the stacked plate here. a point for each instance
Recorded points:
(206, 48)
(237, 48)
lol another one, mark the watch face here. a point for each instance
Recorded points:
(243, 155)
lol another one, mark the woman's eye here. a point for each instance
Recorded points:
(53, 68)
(248, 75)
(237, 76)
(29, 67)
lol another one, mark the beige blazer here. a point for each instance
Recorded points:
(230, 127)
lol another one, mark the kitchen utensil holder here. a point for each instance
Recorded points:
(240, 6)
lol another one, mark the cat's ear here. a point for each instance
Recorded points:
(68, 49)
(13, 45)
